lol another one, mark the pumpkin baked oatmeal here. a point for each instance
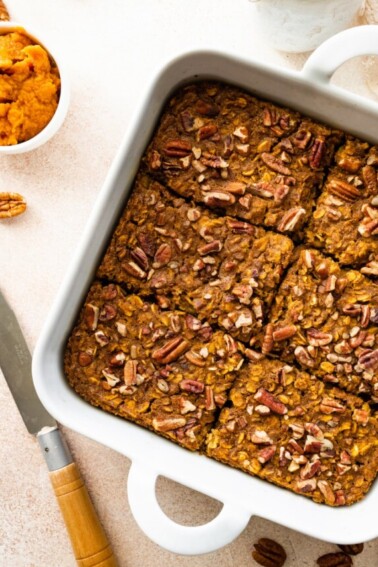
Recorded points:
(217, 268)
(233, 152)
(287, 427)
(164, 370)
(326, 319)
(345, 222)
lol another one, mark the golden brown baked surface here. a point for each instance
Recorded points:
(207, 325)
(326, 320)
(162, 369)
(287, 427)
(220, 269)
(345, 222)
(250, 158)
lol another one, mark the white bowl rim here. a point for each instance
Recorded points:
(60, 113)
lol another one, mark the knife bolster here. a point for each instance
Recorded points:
(54, 448)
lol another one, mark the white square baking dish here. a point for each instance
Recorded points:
(243, 496)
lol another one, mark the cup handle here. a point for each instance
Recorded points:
(184, 540)
(330, 55)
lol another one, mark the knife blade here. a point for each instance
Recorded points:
(88, 539)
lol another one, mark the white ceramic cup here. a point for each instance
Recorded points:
(60, 113)
(302, 25)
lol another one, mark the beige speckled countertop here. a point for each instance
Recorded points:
(111, 49)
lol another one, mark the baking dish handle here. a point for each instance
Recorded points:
(185, 540)
(330, 55)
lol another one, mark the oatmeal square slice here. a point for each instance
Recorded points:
(326, 319)
(164, 370)
(345, 221)
(246, 157)
(288, 428)
(217, 268)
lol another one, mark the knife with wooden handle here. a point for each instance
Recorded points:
(89, 541)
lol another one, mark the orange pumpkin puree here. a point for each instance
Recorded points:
(29, 88)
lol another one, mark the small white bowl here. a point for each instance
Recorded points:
(60, 113)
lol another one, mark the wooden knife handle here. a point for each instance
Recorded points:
(89, 541)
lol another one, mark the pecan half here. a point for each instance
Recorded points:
(177, 148)
(134, 270)
(369, 360)
(269, 553)
(317, 153)
(318, 338)
(290, 219)
(171, 351)
(338, 559)
(91, 314)
(352, 549)
(343, 190)
(162, 256)
(275, 164)
(206, 108)
(207, 131)
(330, 405)
(11, 205)
(140, 258)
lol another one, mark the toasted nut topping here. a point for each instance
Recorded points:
(275, 164)
(343, 190)
(172, 350)
(290, 219)
(108, 312)
(218, 199)
(306, 486)
(317, 152)
(91, 314)
(134, 269)
(261, 438)
(330, 405)
(192, 386)
(266, 454)
(130, 372)
(84, 358)
(270, 401)
(284, 333)
(267, 344)
(178, 148)
(168, 423)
